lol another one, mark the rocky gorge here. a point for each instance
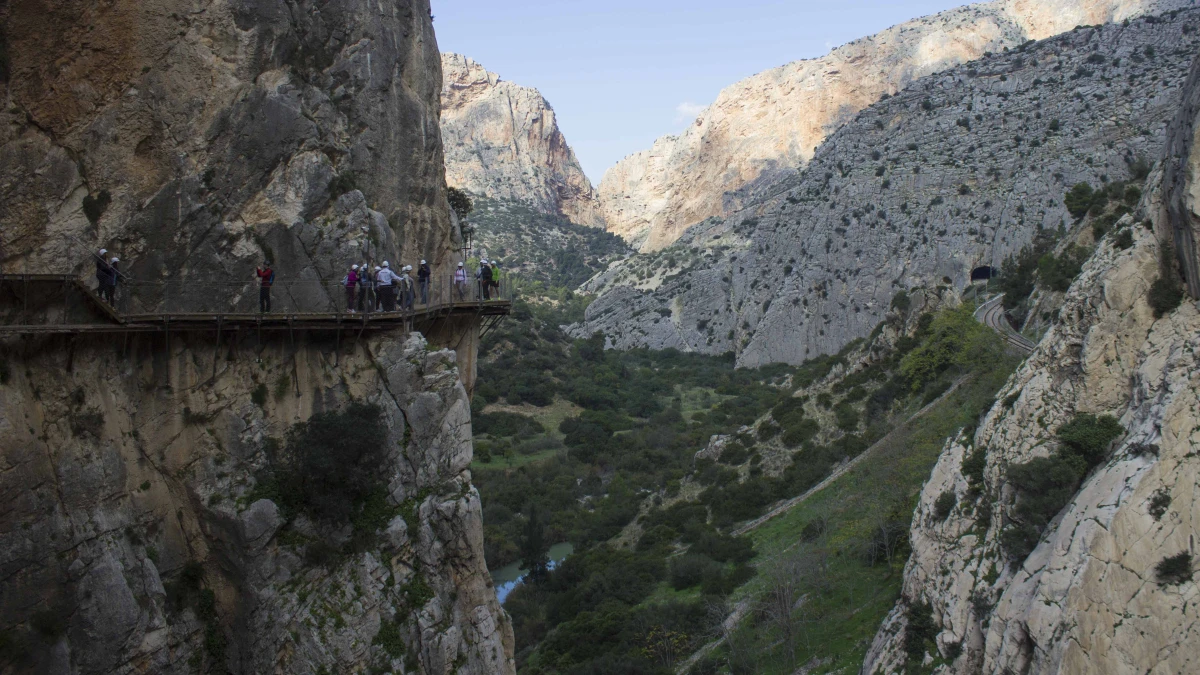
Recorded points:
(1098, 592)
(770, 125)
(960, 170)
(143, 526)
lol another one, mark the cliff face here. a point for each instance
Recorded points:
(138, 530)
(129, 474)
(192, 139)
(1091, 596)
(502, 141)
(769, 125)
(959, 170)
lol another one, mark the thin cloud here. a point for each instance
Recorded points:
(688, 111)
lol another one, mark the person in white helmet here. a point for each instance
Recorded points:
(114, 277)
(485, 279)
(103, 272)
(405, 286)
(423, 274)
(387, 288)
(378, 297)
(460, 281)
(364, 287)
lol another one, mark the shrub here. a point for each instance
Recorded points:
(460, 202)
(1124, 239)
(972, 468)
(1088, 436)
(919, 631)
(800, 434)
(1079, 199)
(259, 395)
(332, 461)
(944, 506)
(847, 416)
(342, 183)
(390, 638)
(1160, 501)
(1057, 272)
(1174, 570)
(689, 570)
(1165, 296)
(504, 424)
(87, 423)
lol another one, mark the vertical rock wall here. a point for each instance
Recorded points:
(132, 470)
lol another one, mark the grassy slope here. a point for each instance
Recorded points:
(840, 621)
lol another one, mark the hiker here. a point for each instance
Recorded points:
(376, 298)
(387, 289)
(423, 274)
(350, 282)
(460, 281)
(405, 287)
(495, 264)
(113, 277)
(266, 277)
(485, 278)
(364, 286)
(103, 273)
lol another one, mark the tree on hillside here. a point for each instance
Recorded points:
(535, 552)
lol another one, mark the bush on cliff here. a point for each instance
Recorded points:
(331, 464)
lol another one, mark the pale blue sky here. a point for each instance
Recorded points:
(621, 73)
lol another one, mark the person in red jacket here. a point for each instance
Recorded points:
(266, 277)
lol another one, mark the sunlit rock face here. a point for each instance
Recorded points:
(770, 124)
(502, 141)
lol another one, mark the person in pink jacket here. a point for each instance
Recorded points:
(350, 283)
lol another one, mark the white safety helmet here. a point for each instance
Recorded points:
(460, 264)
(354, 267)
(116, 259)
(385, 264)
(377, 268)
(103, 251)
(422, 262)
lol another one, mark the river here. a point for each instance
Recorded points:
(506, 578)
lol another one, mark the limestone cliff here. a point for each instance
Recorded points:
(138, 533)
(1091, 597)
(958, 170)
(771, 124)
(502, 141)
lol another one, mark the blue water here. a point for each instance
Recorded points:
(508, 577)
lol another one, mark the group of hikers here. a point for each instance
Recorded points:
(381, 289)
(108, 273)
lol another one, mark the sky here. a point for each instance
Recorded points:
(621, 73)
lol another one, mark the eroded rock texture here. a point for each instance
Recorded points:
(129, 470)
(194, 137)
(771, 124)
(1090, 597)
(502, 141)
(959, 170)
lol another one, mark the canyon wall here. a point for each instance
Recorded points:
(770, 125)
(502, 141)
(139, 529)
(961, 169)
(1092, 596)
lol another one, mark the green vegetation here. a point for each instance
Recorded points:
(565, 255)
(1166, 294)
(1045, 485)
(1174, 570)
(847, 545)
(460, 201)
(641, 591)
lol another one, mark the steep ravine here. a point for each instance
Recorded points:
(1091, 597)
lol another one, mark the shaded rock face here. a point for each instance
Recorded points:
(770, 124)
(193, 139)
(1089, 598)
(502, 141)
(134, 469)
(959, 170)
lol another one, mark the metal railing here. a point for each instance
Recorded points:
(66, 299)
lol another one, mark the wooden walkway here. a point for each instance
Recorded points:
(108, 320)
